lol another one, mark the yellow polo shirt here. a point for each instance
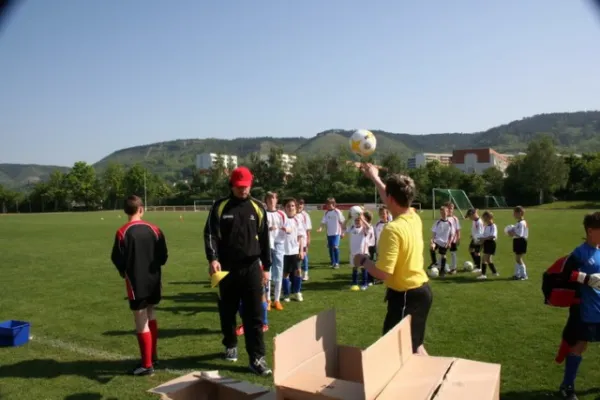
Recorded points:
(400, 252)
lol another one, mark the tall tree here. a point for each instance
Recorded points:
(57, 189)
(136, 181)
(113, 181)
(545, 171)
(83, 184)
(494, 181)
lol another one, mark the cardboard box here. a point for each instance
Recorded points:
(209, 385)
(310, 364)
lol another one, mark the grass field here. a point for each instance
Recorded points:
(56, 273)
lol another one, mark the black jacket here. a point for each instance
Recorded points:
(236, 233)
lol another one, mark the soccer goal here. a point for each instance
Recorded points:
(458, 197)
(203, 205)
(495, 202)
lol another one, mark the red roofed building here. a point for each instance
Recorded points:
(478, 160)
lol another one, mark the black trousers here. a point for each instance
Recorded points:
(243, 284)
(414, 302)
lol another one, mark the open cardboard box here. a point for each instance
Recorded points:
(310, 364)
(209, 385)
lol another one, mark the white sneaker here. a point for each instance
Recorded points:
(482, 277)
(497, 274)
(336, 266)
(305, 276)
(476, 271)
(297, 297)
(286, 299)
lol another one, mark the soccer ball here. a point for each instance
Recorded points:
(468, 266)
(363, 143)
(355, 211)
(509, 228)
(433, 272)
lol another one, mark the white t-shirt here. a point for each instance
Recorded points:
(278, 220)
(455, 227)
(476, 230)
(359, 243)
(521, 230)
(333, 219)
(490, 231)
(378, 229)
(442, 232)
(371, 236)
(291, 245)
(305, 217)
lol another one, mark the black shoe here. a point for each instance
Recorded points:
(567, 393)
(260, 367)
(141, 371)
(231, 354)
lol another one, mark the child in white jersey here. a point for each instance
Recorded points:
(455, 237)
(334, 221)
(305, 217)
(293, 254)
(359, 244)
(371, 243)
(278, 228)
(476, 232)
(520, 234)
(440, 240)
(489, 236)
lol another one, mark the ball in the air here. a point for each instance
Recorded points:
(468, 266)
(355, 211)
(363, 143)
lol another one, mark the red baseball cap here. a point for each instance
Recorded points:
(241, 176)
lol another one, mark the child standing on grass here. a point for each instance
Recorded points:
(293, 253)
(440, 241)
(489, 236)
(333, 220)
(520, 234)
(359, 244)
(371, 243)
(139, 253)
(476, 233)
(455, 237)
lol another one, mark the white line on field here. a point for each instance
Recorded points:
(95, 353)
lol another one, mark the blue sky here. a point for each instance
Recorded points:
(81, 79)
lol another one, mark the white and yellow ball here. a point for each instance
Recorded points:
(356, 211)
(363, 143)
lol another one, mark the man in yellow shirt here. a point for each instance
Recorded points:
(400, 262)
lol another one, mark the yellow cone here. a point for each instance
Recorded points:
(217, 277)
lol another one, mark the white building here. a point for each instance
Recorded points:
(422, 159)
(478, 160)
(206, 161)
(287, 161)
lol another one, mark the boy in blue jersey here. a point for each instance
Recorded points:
(583, 266)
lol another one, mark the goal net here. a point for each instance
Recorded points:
(203, 205)
(458, 197)
(495, 202)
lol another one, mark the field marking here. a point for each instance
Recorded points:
(97, 354)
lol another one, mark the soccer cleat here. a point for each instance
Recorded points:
(482, 277)
(260, 367)
(354, 288)
(567, 393)
(476, 270)
(336, 266)
(364, 287)
(278, 306)
(496, 273)
(297, 297)
(305, 276)
(231, 354)
(239, 330)
(142, 371)
(286, 299)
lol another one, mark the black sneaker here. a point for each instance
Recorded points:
(260, 367)
(231, 354)
(567, 393)
(141, 371)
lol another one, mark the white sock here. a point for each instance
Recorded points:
(277, 290)
(517, 270)
(453, 262)
(268, 291)
(523, 270)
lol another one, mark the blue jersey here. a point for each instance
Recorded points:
(588, 260)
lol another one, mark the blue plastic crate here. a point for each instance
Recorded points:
(14, 333)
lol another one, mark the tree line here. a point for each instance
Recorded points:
(541, 175)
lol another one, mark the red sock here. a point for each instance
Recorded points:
(145, 342)
(154, 330)
(563, 351)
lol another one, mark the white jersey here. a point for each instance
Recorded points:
(305, 220)
(291, 245)
(276, 219)
(490, 231)
(442, 232)
(455, 227)
(371, 237)
(521, 230)
(476, 230)
(333, 219)
(378, 229)
(359, 240)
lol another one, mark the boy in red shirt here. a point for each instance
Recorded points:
(139, 252)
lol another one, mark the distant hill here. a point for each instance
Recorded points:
(20, 175)
(573, 132)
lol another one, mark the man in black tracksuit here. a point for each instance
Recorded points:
(236, 237)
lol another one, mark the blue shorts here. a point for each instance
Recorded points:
(333, 241)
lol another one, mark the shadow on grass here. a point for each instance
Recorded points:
(189, 310)
(457, 279)
(87, 396)
(544, 395)
(194, 297)
(338, 281)
(168, 333)
(201, 283)
(104, 371)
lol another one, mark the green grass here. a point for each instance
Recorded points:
(570, 205)
(56, 273)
